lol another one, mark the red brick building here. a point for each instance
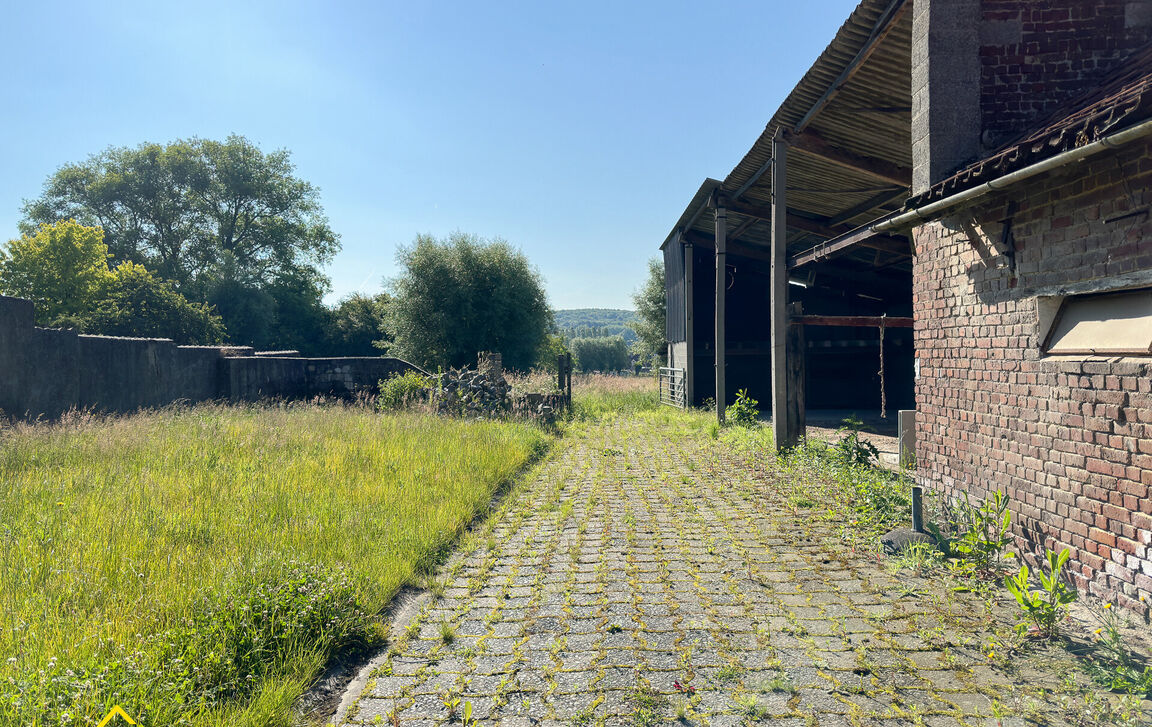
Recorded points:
(981, 172)
(1032, 281)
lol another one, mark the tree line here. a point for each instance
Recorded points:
(214, 242)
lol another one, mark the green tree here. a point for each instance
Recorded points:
(608, 353)
(551, 348)
(212, 217)
(357, 325)
(457, 296)
(137, 303)
(62, 268)
(649, 301)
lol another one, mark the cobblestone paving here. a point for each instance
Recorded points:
(639, 558)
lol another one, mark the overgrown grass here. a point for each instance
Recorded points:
(200, 566)
(822, 474)
(595, 396)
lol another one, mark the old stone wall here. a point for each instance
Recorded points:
(46, 372)
(1069, 438)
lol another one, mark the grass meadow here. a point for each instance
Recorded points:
(199, 566)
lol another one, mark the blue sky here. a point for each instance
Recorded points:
(576, 131)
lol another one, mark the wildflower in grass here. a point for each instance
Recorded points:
(1107, 606)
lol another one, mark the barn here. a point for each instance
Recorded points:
(950, 213)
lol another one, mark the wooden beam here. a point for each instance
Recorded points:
(733, 247)
(853, 321)
(796, 221)
(887, 21)
(878, 200)
(721, 295)
(742, 228)
(797, 361)
(815, 145)
(861, 235)
(785, 435)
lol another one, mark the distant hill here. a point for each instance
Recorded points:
(596, 322)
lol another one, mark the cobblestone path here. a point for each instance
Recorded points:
(640, 557)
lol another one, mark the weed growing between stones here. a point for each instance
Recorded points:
(1044, 607)
(1111, 662)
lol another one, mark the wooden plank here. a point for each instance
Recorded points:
(853, 321)
(815, 145)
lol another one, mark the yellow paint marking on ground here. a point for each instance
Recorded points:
(116, 711)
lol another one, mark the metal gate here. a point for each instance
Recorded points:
(672, 387)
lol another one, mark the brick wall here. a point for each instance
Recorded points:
(1069, 438)
(1037, 55)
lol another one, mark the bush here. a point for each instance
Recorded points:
(400, 392)
(743, 412)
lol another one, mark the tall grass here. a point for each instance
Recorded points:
(597, 395)
(188, 563)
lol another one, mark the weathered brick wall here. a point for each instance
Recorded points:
(1036, 55)
(1069, 438)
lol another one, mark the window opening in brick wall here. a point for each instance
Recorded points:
(1103, 323)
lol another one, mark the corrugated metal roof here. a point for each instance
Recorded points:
(1121, 100)
(857, 99)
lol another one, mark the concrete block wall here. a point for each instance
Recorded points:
(1069, 438)
(45, 372)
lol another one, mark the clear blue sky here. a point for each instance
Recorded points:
(576, 131)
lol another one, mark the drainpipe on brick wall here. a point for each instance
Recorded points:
(934, 209)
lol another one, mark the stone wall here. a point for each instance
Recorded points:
(1069, 438)
(46, 372)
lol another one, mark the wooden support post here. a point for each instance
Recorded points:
(784, 424)
(689, 326)
(721, 294)
(797, 360)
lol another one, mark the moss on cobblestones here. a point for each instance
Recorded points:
(647, 573)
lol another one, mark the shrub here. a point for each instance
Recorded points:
(851, 449)
(399, 392)
(1043, 606)
(742, 412)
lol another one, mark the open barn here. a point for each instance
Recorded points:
(836, 157)
(949, 214)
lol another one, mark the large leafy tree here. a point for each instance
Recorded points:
(137, 303)
(63, 268)
(225, 222)
(649, 300)
(464, 294)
